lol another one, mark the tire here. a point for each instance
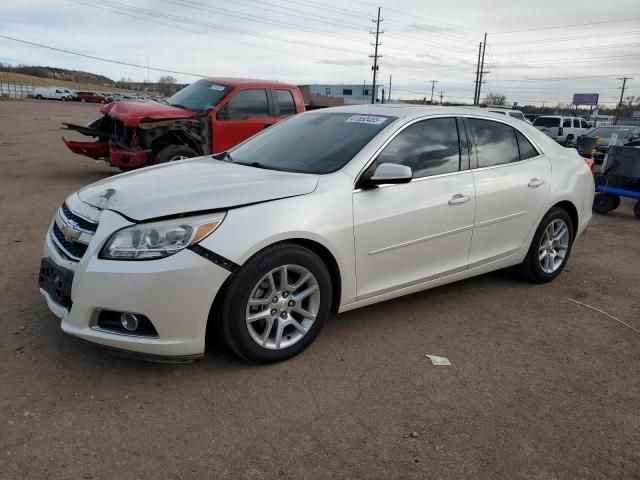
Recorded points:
(38, 97)
(533, 267)
(568, 140)
(252, 341)
(174, 153)
(102, 101)
(604, 203)
(616, 201)
(82, 100)
(636, 209)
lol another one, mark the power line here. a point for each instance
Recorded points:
(110, 60)
(567, 26)
(557, 39)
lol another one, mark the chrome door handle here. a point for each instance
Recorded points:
(535, 183)
(459, 199)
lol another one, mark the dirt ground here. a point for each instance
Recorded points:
(539, 387)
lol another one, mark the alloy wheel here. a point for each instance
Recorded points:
(282, 307)
(554, 245)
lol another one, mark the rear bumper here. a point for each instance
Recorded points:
(118, 157)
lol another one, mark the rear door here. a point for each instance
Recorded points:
(245, 113)
(409, 233)
(512, 180)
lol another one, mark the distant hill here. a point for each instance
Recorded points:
(77, 76)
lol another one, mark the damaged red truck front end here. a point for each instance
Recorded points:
(128, 134)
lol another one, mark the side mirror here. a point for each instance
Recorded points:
(389, 173)
(223, 114)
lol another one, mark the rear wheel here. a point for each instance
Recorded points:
(568, 140)
(550, 247)
(38, 97)
(82, 100)
(174, 153)
(604, 203)
(636, 210)
(276, 304)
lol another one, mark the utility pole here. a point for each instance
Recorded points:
(433, 85)
(441, 94)
(475, 91)
(389, 94)
(624, 85)
(375, 55)
(482, 72)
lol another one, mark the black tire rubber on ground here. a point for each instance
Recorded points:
(530, 269)
(603, 203)
(233, 307)
(168, 153)
(636, 209)
(82, 100)
(38, 97)
(616, 201)
(568, 140)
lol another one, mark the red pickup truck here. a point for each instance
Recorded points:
(209, 116)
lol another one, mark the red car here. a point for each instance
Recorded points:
(209, 116)
(90, 97)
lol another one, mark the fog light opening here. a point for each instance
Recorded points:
(129, 321)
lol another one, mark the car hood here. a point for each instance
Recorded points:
(132, 113)
(193, 185)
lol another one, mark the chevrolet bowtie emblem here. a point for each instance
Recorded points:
(70, 233)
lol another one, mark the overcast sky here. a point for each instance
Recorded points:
(303, 42)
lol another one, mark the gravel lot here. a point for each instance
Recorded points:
(540, 387)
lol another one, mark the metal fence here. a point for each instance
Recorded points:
(15, 90)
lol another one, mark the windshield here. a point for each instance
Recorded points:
(606, 132)
(200, 96)
(546, 122)
(311, 143)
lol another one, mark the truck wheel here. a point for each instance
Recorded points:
(568, 140)
(636, 209)
(173, 153)
(38, 97)
(603, 203)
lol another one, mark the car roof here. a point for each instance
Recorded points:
(406, 110)
(247, 82)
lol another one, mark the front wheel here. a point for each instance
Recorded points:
(276, 304)
(38, 97)
(550, 248)
(173, 153)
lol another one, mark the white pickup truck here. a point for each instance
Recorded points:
(564, 130)
(53, 93)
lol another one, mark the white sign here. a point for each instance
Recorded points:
(217, 87)
(370, 119)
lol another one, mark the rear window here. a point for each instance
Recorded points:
(311, 143)
(517, 115)
(546, 122)
(285, 102)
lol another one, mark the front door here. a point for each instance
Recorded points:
(244, 114)
(512, 181)
(413, 232)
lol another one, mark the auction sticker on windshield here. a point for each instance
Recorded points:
(370, 119)
(217, 87)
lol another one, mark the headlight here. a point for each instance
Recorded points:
(147, 241)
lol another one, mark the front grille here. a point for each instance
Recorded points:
(73, 249)
(78, 220)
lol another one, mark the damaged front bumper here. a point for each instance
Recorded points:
(106, 148)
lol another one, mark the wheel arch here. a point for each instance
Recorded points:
(316, 247)
(571, 209)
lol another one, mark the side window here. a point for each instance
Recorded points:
(576, 123)
(430, 147)
(285, 102)
(347, 91)
(526, 149)
(584, 124)
(247, 103)
(327, 91)
(566, 123)
(495, 142)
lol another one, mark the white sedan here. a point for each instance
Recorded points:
(329, 210)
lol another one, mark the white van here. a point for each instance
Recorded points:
(564, 130)
(53, 93)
